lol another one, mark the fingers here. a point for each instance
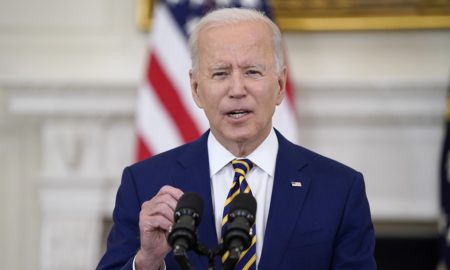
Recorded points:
(158, 212)
(156, 223)
(155, 219)
(172, 191)
(169, 195)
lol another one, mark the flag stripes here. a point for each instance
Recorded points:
(171, 101)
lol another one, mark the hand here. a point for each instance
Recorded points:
(155, 220)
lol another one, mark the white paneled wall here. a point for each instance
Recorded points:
(68, 74)
(390, 132)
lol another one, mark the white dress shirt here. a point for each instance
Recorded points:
(260, 180)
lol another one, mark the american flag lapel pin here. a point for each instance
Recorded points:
(296, 184)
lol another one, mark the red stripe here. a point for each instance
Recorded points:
(289, 87)
(142, 149)
(168, 96)
(289, 93)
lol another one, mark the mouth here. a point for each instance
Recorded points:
(236, 114)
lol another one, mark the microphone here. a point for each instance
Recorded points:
(183, 234)
(237, 236)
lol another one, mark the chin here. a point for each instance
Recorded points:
(240, 136)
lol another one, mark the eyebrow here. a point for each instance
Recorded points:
(259, 67)
(219, 66)
(245, 66)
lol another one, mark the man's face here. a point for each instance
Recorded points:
(236, 83)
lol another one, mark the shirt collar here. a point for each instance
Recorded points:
(264, 156)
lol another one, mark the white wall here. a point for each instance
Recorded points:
(68, 70)
(376, 101)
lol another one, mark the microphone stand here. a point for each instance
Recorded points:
(180, 255)
(183, 261)
(229, 264)
(181, 258)
(210, 253)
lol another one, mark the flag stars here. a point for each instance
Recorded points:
(250, 3)
(190, 24)
(223, 3)
(196, 3)
(173, 2)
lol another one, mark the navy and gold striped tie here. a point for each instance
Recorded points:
(240, 185)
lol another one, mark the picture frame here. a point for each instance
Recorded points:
(344, 15)
(144, 11)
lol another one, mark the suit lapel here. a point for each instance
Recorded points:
(289, 191)
(193, 176)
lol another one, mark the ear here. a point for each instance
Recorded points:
(194, 88)
(281, 91)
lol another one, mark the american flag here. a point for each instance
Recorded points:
(445, 191)
(166, 113)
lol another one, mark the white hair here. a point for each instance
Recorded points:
(227, 16)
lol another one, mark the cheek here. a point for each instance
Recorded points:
(214, 96)
(271, 97)
(268, 103)
(211, 104)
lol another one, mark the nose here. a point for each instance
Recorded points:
(237, 86)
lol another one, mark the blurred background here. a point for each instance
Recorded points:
(370, 90)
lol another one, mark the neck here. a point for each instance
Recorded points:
(241, 149)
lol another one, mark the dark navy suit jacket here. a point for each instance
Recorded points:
(323, 224)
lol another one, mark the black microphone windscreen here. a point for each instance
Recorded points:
(243, 201)
(191, 200)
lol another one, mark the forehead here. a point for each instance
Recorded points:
(251, 38)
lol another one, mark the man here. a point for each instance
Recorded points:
(312, 211)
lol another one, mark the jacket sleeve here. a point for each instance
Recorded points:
(123, 240)
(355, 240)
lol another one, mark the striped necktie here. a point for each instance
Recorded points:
(241, 168)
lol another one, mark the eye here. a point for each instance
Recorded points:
(254, 73)
(219, 75)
